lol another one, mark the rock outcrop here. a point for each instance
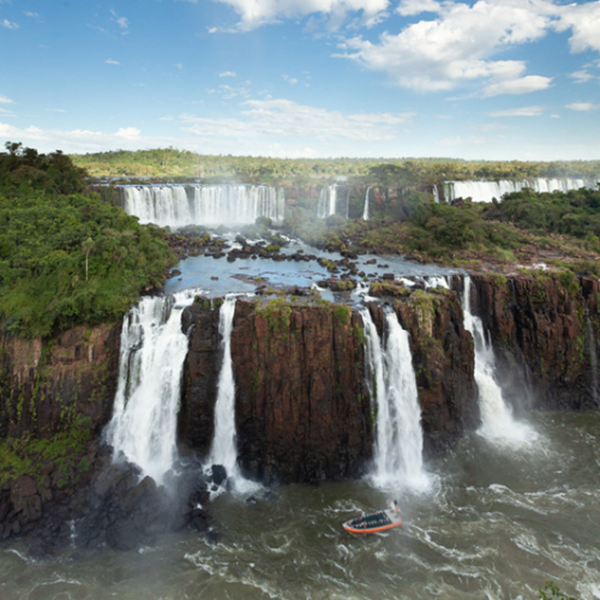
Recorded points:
(544, 325)
(303, 410)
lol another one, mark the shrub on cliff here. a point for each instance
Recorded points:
(68, 258)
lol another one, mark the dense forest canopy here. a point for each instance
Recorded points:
(181, 164)
(67, 257)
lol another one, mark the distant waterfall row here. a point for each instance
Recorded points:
(210, 205)
(486, 191)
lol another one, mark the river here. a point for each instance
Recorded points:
(497, 521)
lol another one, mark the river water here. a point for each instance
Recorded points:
(497, 521)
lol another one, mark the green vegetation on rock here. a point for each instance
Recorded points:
(67, 258)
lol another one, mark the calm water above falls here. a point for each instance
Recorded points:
(498, 522)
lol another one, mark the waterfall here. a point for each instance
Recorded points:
(497, 421)
(392, 383)
(223, 450)
(366, 208)
(153, 348)
(591, 344)
(485, 191)
(180, 205)
(436, 195)
(333, 200)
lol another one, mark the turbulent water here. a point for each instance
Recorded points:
(497, 524)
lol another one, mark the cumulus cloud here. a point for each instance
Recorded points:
(457, 44)
(279, 118)
(525, 111)
(409, 8)
(584, 22)
(228, 74)
(254, 13)
(6, 100)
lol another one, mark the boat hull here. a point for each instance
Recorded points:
(375, 523)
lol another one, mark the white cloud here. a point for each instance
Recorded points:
(584, 22)
(110, 61)
(254, 13)
(582, 76)
(122, 22)
(77, 140)
(228, 74)
(9, 24)
(282, 119)
(525, 111)
(583, 106)
(524, 85)
(456, 47)
(290, 80)
(6, 100)
(409, 8)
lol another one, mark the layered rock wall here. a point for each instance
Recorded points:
(546, 325)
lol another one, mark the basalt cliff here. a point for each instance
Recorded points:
(303, 408)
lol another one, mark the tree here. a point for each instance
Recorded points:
(87, 247)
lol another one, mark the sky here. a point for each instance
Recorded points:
(486, 79)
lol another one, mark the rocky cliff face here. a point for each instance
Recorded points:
(56, 396)
(45, 384)
(303, 411)
(545, 325)
(443, 359)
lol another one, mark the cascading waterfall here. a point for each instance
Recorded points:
(485, 191)
(591, 346)
(366, 208)
(153, 348)
(392, 382)
(180, 205)
(333, 200)
(223, 449)
(497, 421)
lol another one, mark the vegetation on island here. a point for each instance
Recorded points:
(67, 257)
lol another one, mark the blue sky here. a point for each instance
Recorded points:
(493, 79)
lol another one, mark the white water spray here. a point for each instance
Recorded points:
(392, 382)
(223, 449)
(180, 205)
(333, 200)
(497, 421)
(366, 208)
(486, 191)
(153, 348)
